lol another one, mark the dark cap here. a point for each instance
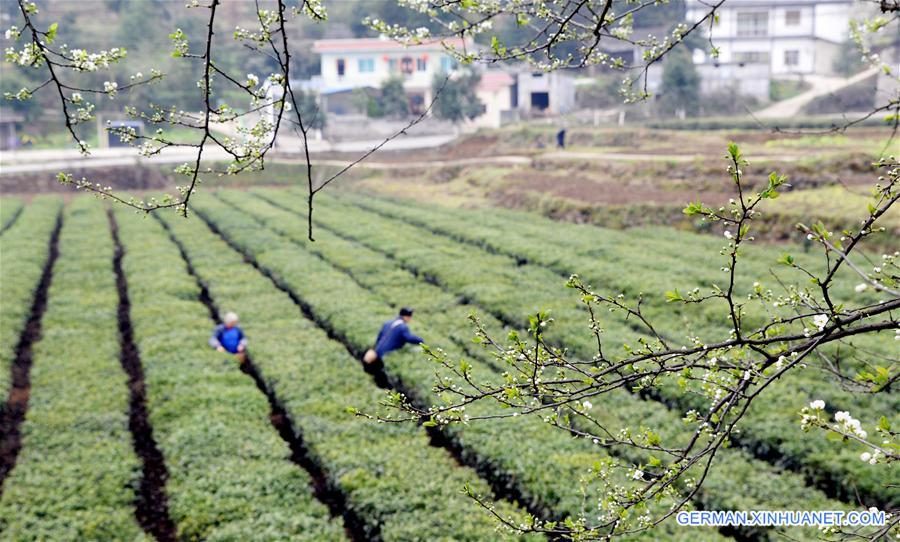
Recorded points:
(406, 311)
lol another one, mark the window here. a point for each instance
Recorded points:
(421, 64)
(751, 56)
(366, 65)
(792, 58)
(406, 65)
(752, 23)
(392, 65)
(341, 67)
(792, 17)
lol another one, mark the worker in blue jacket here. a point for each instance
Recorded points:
(394, 335)
(228, 337)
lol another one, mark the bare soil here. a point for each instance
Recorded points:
(136, 178)
(151, 503)
(13, 413)
(585, 190)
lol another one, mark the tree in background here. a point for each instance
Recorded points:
(366, 103)
(393, 98)
(457, 101)
(13, 81)
(680, 84)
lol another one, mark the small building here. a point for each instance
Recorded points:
(496, 91)
(794, 37)
(512, 93)
(540, 93)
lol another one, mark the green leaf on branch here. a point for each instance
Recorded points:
(674, 295)
(775, 181)
(497, 47)
(696, 208)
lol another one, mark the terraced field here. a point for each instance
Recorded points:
(120, 423)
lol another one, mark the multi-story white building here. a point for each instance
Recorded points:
(348, 64)
(792, 36)
(366, 63)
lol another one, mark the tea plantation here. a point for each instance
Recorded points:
(119, 422)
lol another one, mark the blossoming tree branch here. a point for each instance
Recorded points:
(562, 25)
(780, 325)
(253, 139)
(554, 35)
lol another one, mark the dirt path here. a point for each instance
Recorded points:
(821, 86)
(152, 503)
(52, 161)
(12, 220)
(13, 413)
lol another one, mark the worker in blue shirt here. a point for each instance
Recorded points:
(394, 335)
(228, 337)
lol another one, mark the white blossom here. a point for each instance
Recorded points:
(779, 363)
(818, 404)
(820, 320)
(861, 287)
(587, 404)
(849, 424)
